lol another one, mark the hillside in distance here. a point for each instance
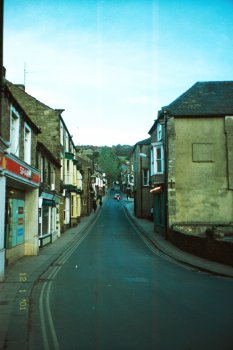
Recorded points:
(108, 159)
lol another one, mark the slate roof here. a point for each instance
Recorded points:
(143, 142)
(211, 98)
(29, 104)
(34, 108)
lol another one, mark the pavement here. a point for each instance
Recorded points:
(21, 276)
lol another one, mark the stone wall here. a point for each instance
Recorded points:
(209, 248)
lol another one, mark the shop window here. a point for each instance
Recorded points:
(45, 220)
(15, 219)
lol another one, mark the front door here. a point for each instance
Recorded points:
(159, 211)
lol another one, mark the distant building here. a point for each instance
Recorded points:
(141, 166)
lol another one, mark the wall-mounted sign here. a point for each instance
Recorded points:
(21, 170)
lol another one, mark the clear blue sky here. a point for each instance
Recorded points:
(112, 64)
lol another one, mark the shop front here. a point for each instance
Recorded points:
(20, 209)
(48, 230)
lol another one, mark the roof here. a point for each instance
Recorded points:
(29, 104)
(27, 115)
(42, 147)
(143, 142)
(153, 127)
(33, 107)
(211, 98)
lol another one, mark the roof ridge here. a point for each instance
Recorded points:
(28, 95)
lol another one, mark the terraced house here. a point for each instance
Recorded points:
(19, 182)
(64, 182)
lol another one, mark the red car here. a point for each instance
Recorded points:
(117, 196)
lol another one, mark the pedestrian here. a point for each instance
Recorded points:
(100, 203)
(94, 204)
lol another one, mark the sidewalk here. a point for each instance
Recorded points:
(146, 228)
(19, 280)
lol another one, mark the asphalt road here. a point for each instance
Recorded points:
(111, 291)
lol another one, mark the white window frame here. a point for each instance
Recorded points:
(27, 143)
(61, 133)
(145, 179)
(14, 131)
(159, 132)
(154, 159)
(66, 142)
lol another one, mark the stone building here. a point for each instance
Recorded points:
(56, 138)
(157, 173)
(141, 166)
(198, 153)
(19, 182)
(86, 169)
(49, 195)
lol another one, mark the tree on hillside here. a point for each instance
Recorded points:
(122, 150)
(109, 163)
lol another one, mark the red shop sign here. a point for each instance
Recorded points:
(22, 171)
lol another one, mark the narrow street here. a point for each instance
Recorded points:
(111, 291)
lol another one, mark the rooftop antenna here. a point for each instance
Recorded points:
(25, 72)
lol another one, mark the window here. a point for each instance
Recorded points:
(61, 134)
(27, 144)
(14, 131)
(159, 132)
(145, 179)
(53, 178)
(157, 159)
(73, 207)
(67, 142)
(49, 174)
(42, 177)
(62, 167)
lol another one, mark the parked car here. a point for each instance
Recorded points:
(117, 196)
